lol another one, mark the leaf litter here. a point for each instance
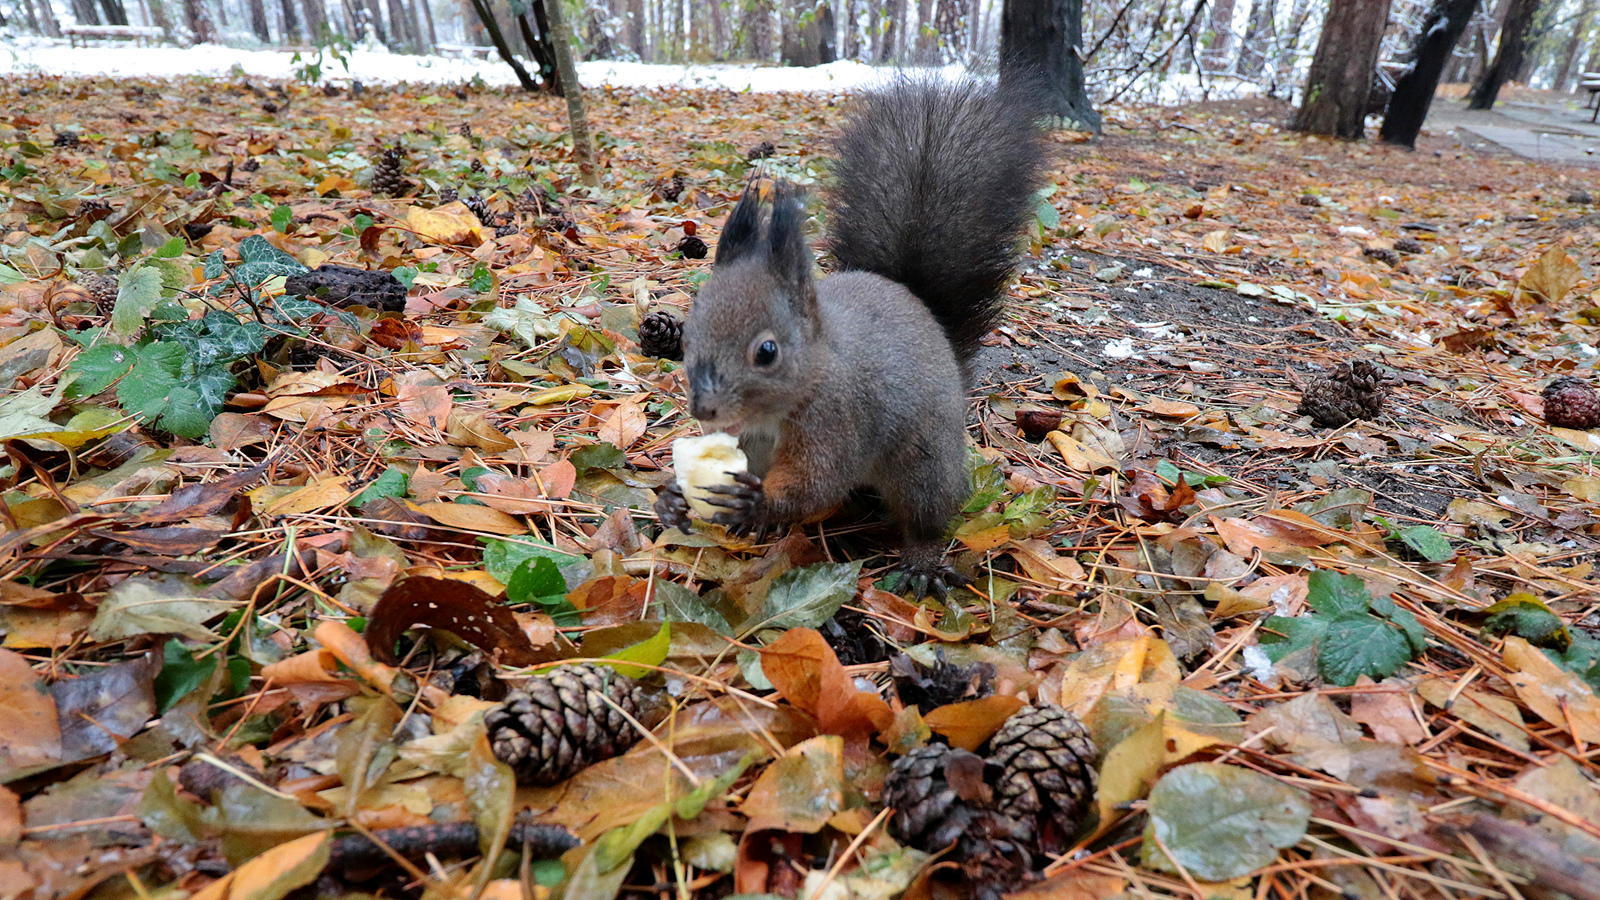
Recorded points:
(271, 556)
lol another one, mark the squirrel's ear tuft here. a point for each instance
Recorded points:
(742, 232)
(786, 243)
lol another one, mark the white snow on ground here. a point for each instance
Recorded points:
(380, 66)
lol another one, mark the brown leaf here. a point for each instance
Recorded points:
(454, 606)
(1552, 276)
(806, 672)
(473, 518)
(33, 733)
(97, 712)
(969, 723)
(801, 790)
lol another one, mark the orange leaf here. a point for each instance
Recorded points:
(971, 722)
(793, 663)
(473, 518)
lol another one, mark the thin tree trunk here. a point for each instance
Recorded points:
(198, 19)
(84, 11)
(895, 16)
(757, 28)
(47, 20)
(498, 38)
(427, 22)
(1215, 58)
(1569, 53)
(1508, 58)
(258, 20)
(1340, 83)
(1413, 92)
(636, 28)
(1260, 30)
(316, 21)
(398, 32)
(577, 119)
(291, 23)
(536, 33)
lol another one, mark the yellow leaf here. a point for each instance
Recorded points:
(319, 494)
(1170, 409)
(1583, 440)
(1216, 241)
(969, 723)
(1080, 456)
(1552, 276)
(984, 539)
(1116, 667)
(275, 873)
(473, 429)
(452, 223)
(1554, 694)
(335, 183)
(473, 518)
(1131, 767)
(564, 394)
(625, 425)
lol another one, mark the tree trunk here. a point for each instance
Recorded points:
(316, 19)
(719, 30)
(498, 38)
(577, 119)
(1260, 30)
(954, 21)
(757, 28)
(258, 20)
(1340, 82)
(536, 33)
(808, 34)
(895, 17)
(398, 30)
(1215, 58)
(1508, 57)
(374, 20)
(51, 27)
(1043, 40)
(1413, 92)
(291, 23)
(84, 11)
(115, 13)
(428, 29)
(1569, 53)
(198, 19)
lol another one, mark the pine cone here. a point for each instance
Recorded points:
(65, 139)
(1582, 198)
(506, 230)
(448, 196)
(856, 638)
(661, 335)
(930, 687)
(1044, 754)
(939, 798)
(1408, 245)
(692, 247)
(558, 724)
(763, 150)
(480, 208)
(464, 129)
(387, 177)
(671, 187)
(1382, 254)
(929, 812)
(1354, 390)
(1571, 402)
(103, 288)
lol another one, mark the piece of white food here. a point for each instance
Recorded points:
(701, 462)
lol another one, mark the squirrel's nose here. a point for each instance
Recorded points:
(702, 392)
(702, 408)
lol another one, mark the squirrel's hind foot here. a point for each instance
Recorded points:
(923, 572)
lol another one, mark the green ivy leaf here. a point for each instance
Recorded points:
(282, 218)
(502, 556)
(216, 265)
(138, 292)
(261, 261)
(597, 456)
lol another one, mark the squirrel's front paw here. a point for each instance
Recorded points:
(672, 508)
(746, 504)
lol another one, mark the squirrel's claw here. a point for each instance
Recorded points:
(672, 508)
(935, 579)
(746, 505)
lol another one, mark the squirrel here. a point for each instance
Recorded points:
(859, 380)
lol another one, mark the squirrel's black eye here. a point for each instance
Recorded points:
(767, 353)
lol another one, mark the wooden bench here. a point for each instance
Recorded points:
(140, 36)
(1590, 81)
(465, 51)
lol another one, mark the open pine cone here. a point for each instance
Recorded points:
(560, 722)
(1355, 390)
(661, 335)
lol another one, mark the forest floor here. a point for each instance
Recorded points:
(1359, 660)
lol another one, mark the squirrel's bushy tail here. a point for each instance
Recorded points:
(934, 183)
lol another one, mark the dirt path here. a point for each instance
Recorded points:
(1552, 130)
